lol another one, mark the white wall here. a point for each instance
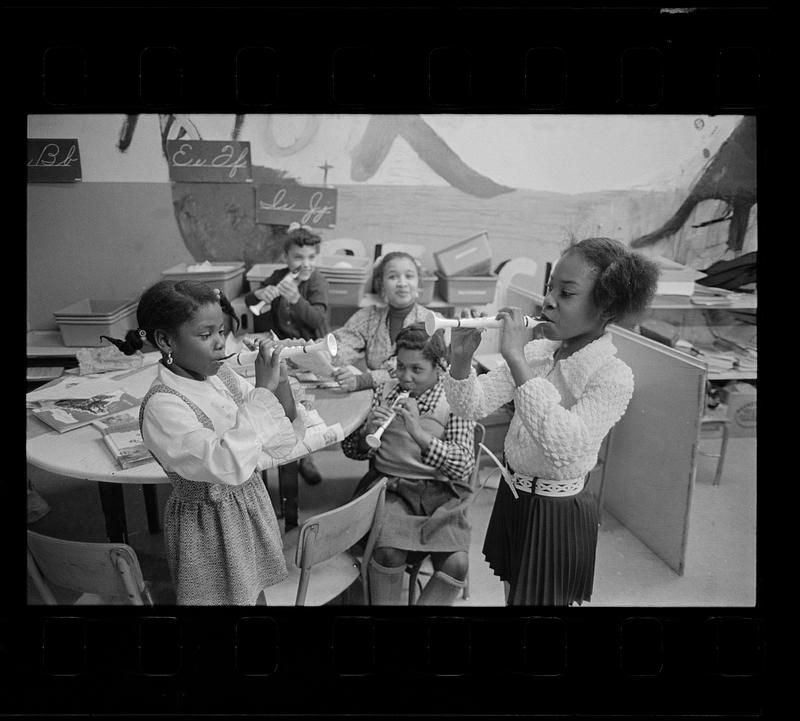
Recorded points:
(554, 153)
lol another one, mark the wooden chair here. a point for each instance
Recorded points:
(344, 246)
(712, 422)
(422, 566)
(325, 562)
(104, 573)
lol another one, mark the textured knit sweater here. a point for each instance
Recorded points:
(561, 414)
(366, 336)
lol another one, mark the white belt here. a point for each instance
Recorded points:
(537, 486)
(546, 487)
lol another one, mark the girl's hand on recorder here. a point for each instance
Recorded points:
(270, 371)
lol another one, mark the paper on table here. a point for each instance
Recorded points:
(315, 362)
(317, 437)
(75, 387)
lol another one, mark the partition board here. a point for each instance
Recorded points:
(649, 474)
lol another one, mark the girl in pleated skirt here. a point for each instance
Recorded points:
(568, 389)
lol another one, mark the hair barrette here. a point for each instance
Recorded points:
(294, 225)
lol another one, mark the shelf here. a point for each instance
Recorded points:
(48, 344)
(742, 301)
(732, 375)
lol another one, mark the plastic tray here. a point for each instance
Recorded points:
(228, 276)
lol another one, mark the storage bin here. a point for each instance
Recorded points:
(469, 289)
(259, 273)
(427, 285)
(472, 256)
(345, 292)
(82, 323)
(344, 264)
(90, 308)
(228, 276)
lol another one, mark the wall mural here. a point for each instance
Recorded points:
(217, 220)
(434, 191)
(730, 176)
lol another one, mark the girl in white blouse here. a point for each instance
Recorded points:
(569, 389)
(212, 431)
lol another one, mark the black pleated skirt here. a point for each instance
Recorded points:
(543, 546)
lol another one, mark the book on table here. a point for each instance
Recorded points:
(123, 439)
(66, 413)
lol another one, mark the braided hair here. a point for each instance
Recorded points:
(166, 306)
(626, 280)
(433, 347)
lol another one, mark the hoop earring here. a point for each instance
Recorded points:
(168, 359)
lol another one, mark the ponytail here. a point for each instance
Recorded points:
(132, 343)
(166, 305)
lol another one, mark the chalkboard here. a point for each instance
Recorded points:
(53, 161)
(209, 161)
(282, 204)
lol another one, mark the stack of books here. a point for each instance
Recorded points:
(710, 297)
(675, 278)
(716, 360)
(124, 440)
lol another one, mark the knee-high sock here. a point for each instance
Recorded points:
(385, 584)
(441, 590)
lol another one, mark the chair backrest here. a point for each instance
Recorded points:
(518, 272)
(327, 534)
(477, 486)
(108, 570)
(344, 246)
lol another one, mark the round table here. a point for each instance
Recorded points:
(82, 454)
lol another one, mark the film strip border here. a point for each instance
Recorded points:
(617, 663)
(391, 60)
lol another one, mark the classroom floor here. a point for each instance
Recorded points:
(720, 562)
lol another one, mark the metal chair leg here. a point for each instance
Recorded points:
(723, 447)
(412, 583)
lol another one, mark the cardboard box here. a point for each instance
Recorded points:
(472, 256)
(741, 399)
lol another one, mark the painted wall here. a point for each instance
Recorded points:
(96, 240)
(112, 234)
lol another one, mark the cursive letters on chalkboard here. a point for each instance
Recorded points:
(313, 214)
(280, 205)
(183, 157)
(49, 157)
(52, 160)
(208, 161)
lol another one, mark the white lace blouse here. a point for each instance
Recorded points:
(561, 414)
(243, 437)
